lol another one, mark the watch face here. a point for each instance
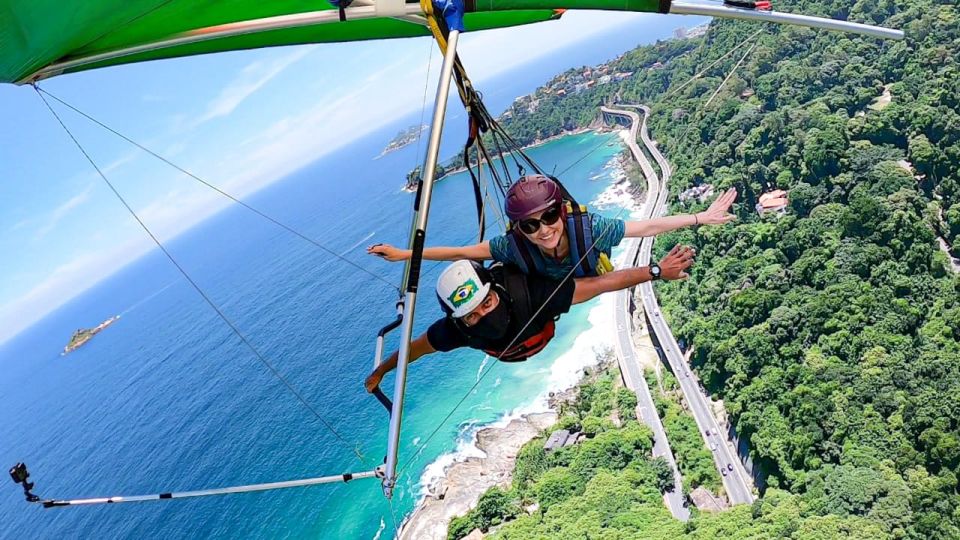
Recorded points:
(655, 270)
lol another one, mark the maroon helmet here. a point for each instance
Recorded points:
(531, 194)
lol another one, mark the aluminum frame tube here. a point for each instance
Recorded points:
(210, 492)
(412, 271)
(726, 12)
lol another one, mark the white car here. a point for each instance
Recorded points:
(724, 471)
(713, 447)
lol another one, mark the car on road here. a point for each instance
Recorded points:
(724, 471)
(730, 466)
(713, 447)
(707, 433)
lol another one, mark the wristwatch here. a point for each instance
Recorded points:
(655, 271)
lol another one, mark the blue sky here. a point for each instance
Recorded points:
(240, 120)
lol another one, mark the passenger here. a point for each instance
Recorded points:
(540, 239)
(510, 315)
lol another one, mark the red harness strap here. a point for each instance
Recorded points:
(528, 347)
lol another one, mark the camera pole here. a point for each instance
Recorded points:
(20, 474)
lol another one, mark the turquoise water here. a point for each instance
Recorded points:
(168, 399)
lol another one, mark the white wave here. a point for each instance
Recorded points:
(148, 298)
(383, 525)
(482, 365)
(361, 241)
(617, 194)
(436, 471)
(416, 441)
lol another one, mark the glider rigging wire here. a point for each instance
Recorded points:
(217, 189)
(296, 393)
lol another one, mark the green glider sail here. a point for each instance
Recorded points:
(43, 38)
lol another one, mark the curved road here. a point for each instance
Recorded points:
(736, 481)
(626, 351)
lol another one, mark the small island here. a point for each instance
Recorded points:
(443, 169)
(83, 335)
(403, 138)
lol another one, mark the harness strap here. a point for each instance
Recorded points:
(527, 261)
(515, 283)
(580, 237)
(528, 347)
(341, 6)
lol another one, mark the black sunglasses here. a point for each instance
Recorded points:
(532, 225)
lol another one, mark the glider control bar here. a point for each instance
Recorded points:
(378, 355)
(20, 476)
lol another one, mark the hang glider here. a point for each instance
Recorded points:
(41, 38)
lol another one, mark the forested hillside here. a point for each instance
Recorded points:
(831, 332)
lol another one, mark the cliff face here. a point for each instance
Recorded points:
(465, 481)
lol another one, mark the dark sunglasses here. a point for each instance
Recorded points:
(532, 225)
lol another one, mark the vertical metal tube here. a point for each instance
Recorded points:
(412, 274)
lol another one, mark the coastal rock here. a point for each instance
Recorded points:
(466, 480)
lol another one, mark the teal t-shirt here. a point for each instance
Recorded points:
(608, 232)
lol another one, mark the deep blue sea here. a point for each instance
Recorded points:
(169, 399)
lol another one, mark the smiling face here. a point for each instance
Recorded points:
(548, 236)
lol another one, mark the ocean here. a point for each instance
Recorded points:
(169, 399)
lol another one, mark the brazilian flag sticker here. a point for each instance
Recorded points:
(464, 293)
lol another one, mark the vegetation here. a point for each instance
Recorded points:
(609, 487)
(693, 458)
(583, 486)
(831, 333)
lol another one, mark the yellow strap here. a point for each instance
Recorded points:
(604, 265)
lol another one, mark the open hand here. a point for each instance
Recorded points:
(388, 252)
(373, 380)
(718, 213)
(675, 264)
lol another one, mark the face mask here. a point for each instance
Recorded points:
(493, 325)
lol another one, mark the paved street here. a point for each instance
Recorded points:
(736, 482)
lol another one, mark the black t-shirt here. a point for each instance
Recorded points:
(445, 335)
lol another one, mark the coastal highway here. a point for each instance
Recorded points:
(646, 410)
(736, 481)
(626, 350)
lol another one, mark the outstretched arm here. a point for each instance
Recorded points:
(717, 214)
(479, 251)
(418, 347)
(673, 266)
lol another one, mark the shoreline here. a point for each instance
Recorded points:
(534, 144)
(488, 458)
(465, 480)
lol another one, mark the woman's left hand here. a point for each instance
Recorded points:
(718, 213)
